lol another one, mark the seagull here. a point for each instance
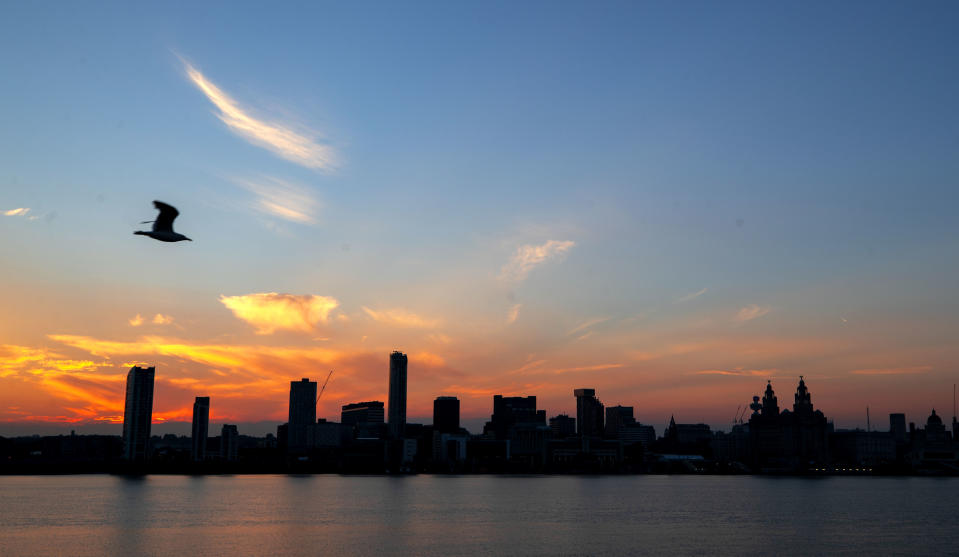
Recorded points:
(163, 225)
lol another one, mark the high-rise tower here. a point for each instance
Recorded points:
(397, 401)
(589, 413)
(302, 414)
(201, 428)
(138, 413)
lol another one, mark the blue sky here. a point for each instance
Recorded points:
(798, 159)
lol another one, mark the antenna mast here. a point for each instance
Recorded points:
(868, 427)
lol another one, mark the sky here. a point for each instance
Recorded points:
(672, 203)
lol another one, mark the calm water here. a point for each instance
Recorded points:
(476, 515)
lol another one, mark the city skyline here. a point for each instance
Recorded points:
(523, 199)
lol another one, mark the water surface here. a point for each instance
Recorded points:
(476, 515)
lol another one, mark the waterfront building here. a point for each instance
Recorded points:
(302, 415)
(512, 411)
(446, 414)
(789, 440)
(201, 427)
(616, 417)
(562, 426)
(138, 414)
(897, 427)
(397, 397)
(589, 413)
(229, 443)
(365, 418)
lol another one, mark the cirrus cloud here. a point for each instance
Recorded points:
(529, 256)
(750, 312)
(402, 318)
(283, 140)
(270, 311)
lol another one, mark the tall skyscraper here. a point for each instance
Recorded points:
(229, 442)
(397, 401)
(138, 414)
(446, 414)
(589, 413)
(201, 428)
(302, 414)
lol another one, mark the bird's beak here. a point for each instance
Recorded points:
(189, 240)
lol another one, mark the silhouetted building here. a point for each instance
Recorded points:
(563, 426)
(449, 449)
(201, 427)
(229, 442)
(365, 418)
(302, 414)
(511, 411)
(446, 414)
(897, 427)
(788, 441)
(589, 413)
(632, 433)
(138, 414)
(688, 434)
(397, 400)
(616, 417)
(933, 450)
(331, 434)
(862, 448)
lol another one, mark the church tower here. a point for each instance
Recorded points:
(803, 402)
(770, 403)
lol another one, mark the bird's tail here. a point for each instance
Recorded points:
(141, 232)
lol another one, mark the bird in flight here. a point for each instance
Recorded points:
(163, 225)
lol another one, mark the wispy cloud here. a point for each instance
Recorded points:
(160, 319)
(692, 296)
(586, 325)
(402, 318)
(529, 256)
(750, 312)
(738, 372)
(597, 367)
(282, 199)
(269, 311)
(300, 147)
(20, 212)
(136, 320)
(911, 370)
(513, 314)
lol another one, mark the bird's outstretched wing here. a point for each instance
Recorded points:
(164, 222)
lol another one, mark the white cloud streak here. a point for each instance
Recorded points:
(750, 312)
(692, 296)
(19, 212)
(282, 199)
(528, 257)
(281, 139)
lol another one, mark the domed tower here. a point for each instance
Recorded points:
(770, 403)
(803, 402)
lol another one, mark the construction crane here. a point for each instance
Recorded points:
(323, 388)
